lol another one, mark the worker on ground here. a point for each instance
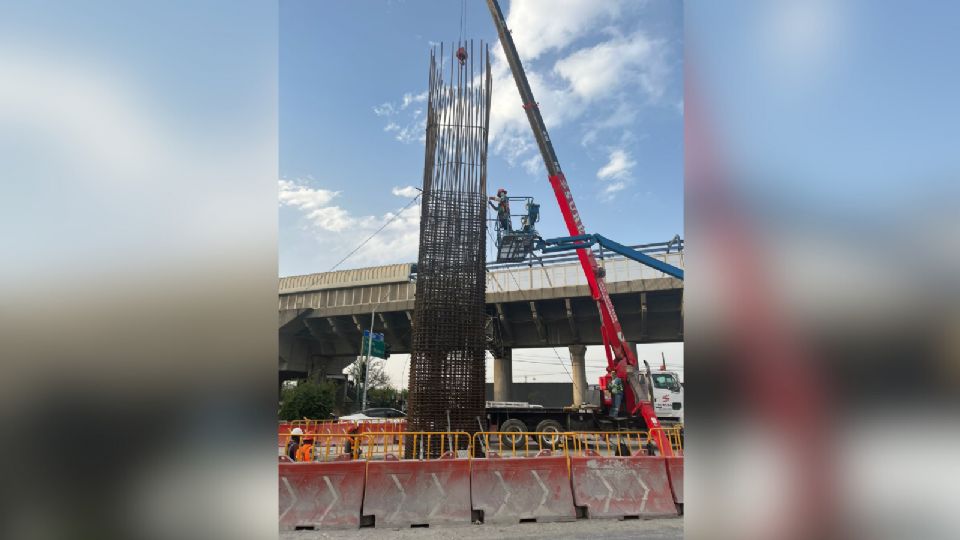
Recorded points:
(305, 452)
(615, 386)
(503, 209)
(294, 443)
(353, 431)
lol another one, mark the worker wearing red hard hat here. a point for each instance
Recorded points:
(503, 209)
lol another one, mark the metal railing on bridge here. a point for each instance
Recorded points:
(563, 269)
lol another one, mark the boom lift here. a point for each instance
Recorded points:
(638, 394)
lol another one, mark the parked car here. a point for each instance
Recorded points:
(377, 413)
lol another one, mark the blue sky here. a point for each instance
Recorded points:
(608, 76)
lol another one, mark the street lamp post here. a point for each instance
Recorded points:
(366, 361)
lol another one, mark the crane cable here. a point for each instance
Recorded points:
(463, 19)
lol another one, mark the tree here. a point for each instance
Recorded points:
(387, 396)
(308, 400)
(376, 376)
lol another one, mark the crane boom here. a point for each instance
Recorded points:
(622, 357)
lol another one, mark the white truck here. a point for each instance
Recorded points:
(592, 415)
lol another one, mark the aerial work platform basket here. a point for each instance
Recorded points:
(515, 245)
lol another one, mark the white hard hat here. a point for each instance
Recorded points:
(296, 431)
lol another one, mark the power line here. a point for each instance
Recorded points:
(384, 226)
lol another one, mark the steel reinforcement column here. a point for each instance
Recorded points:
(447, 369)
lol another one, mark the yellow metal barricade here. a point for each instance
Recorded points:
(673, 434)
(414, 444)
(624, 443)
(609, 443)
(519, 443)
(337, 444)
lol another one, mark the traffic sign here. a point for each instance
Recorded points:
(377, 349)
(376, 336)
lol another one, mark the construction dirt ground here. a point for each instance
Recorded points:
(608, 529)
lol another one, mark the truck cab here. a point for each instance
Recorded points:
(668, 396)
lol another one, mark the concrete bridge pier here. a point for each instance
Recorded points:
(503, 376)
(578, 364)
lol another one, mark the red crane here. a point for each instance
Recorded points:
(637, 400)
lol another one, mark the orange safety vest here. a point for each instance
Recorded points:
(304, 452)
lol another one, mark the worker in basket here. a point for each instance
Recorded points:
(502, 207)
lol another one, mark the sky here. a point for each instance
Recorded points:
(609, 80)
(607, 75)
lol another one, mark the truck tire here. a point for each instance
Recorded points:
(513, 442)
(550, 442)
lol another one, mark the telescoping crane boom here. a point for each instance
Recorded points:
(619, 355)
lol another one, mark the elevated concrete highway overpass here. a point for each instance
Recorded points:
(322, 316)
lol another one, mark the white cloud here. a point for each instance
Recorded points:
(616, 173)
(384, 109)
(307, 198)
(406, 191)
(538, 26)
(598, 71)
(602, 78)
(415, 130)
(331, 218)
(618, 167)
(392, 108)
(338, 231)
(314, 203)
(623, 115)
(407, 126)
(611, 189)
(534, 165)
(409, 98)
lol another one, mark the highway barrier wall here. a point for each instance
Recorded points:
(621, 486)
(404, 493)
(675, 473)
(388, 479)
(321, 495)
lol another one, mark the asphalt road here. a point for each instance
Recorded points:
(607, 529)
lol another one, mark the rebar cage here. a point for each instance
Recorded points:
(447, 368)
